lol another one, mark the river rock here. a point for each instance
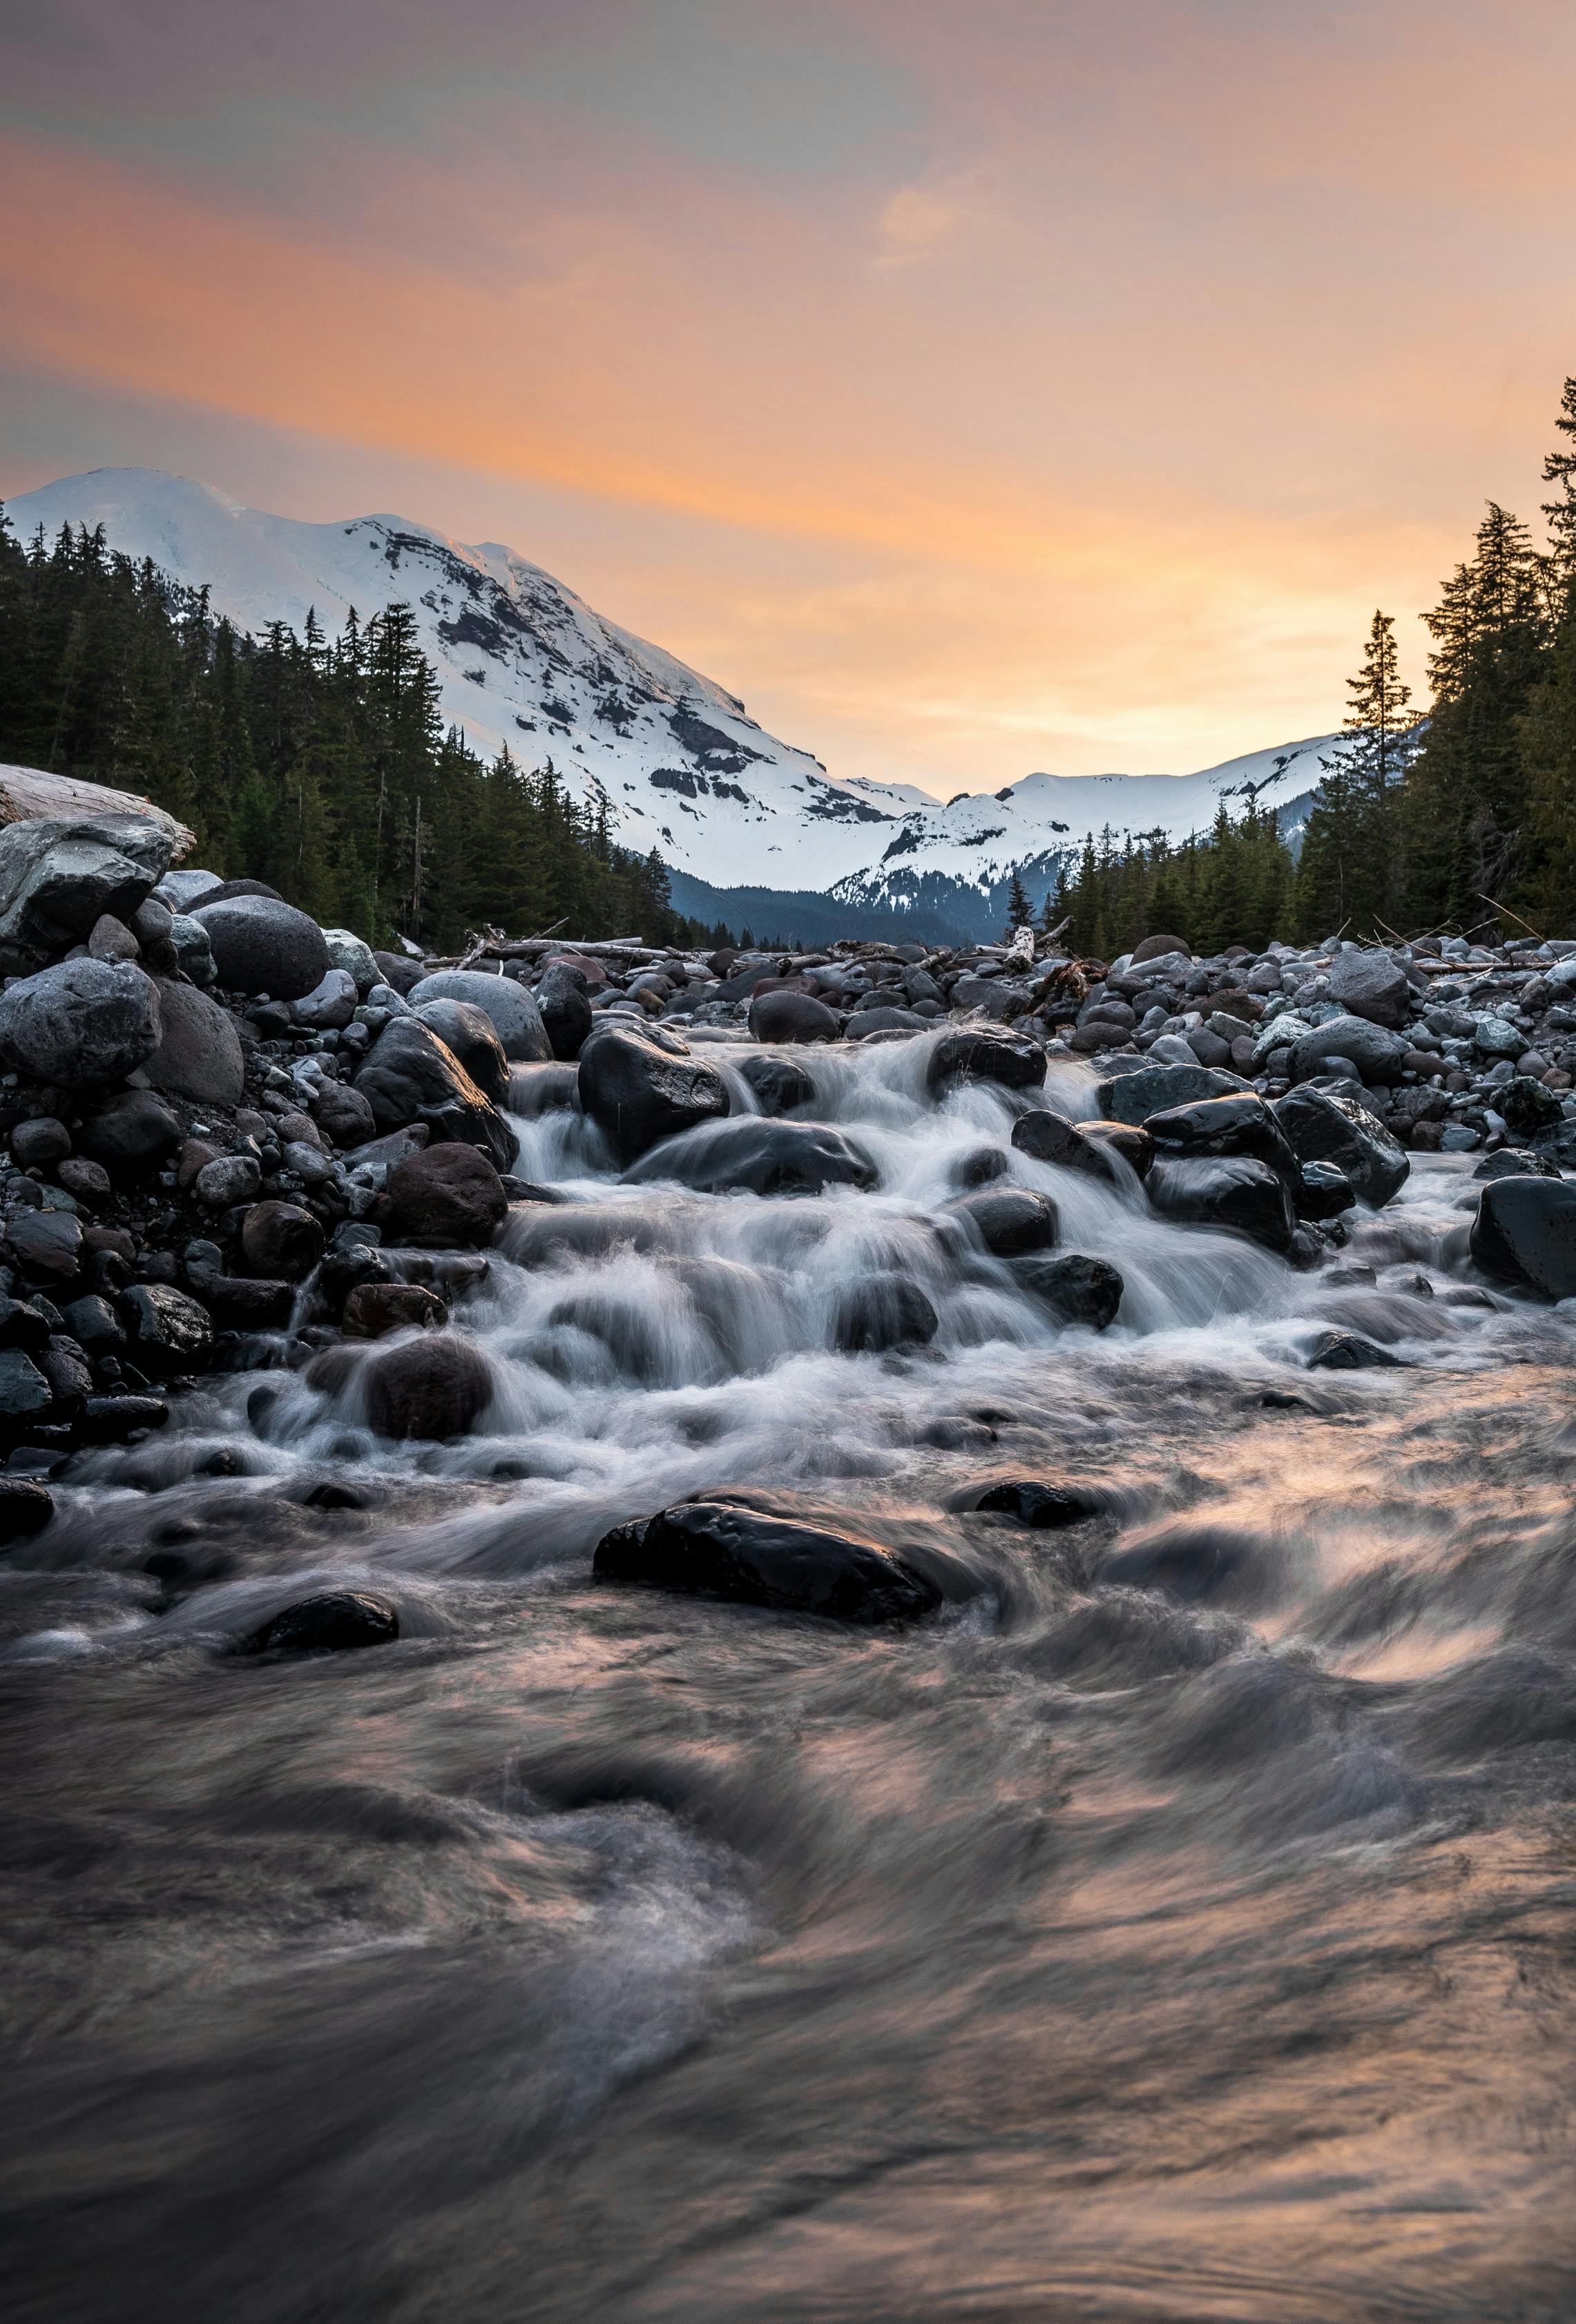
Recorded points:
(40, 1144)
(1240, 1195)
(1235, 1126)
(1525, 1233)
(883, 1310)
(447, 1195)
(226, 1181)
(714, 1550)
(792, 1017)
(347, 950)
(508, 1006)
(1159, 947)
(58, 876)
(1077, 1289)
(1369, 984)
(81, 1023)
(263, 945)
(200, 1054)
(343, 1114)
(1009, 1220)
(1525, 1107)
(1376, 1053)
(779, 1085)
(1323, 1191)
(194, 955)
(640, 1086)
(467, 1033)
(333, 1623)
(436, 1387)
(865, 1023)
(399, 972)
(1349, 1351)
(1513, 1162)
(281, 1240)
(762, 1157)
(1323, 1128)
(410, 1075)
(1042, 1508)
(47, 1245)
(374, 1309)
(169, 1331)
(330, 1005)
(562, 999)
(27, 1507)
(1132, 1098)
(1011, 1060)
(24, 1393)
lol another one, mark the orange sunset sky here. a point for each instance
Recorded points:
(973, 388)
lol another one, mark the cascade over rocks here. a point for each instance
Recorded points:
(1010, 1059)
(1077, 1289)
(1238, 1126)
(1132, 1098)
(759, 1156)
(432, 1387)
(447, 1195)
(779, 1085)
(640, 1086)
(1240, 1194)
(1009, 1220)
(716, 1550)
(881, 1312)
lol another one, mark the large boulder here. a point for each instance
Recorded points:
(133, 1133)
(778, 1084)
(432, 1387)
(1240, 1125)
(447, 1195)
(1525, 1233)
(509, 1008)
(263, 945)
(716, 1550)
(1132, 1098)
(168, 1331)
(782, 1016)
(1378, 1055)
(565, 1009)
(1369, 984)
(876, 1312)
(640, 1086)
(1077, 1289)
(81, 1023)
(281, 1240)
(1009, 1220)
(410, 1075)
(1159, 947)
(347, 951)
(1011, 1060)
(58, 875)
(469, 1034)
(1323, 1128)
(334, 1622)
(752, 1153)
(1240, 1195)
(200, 1054)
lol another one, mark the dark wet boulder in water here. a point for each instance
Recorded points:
(882, 1312)
(467, 1033)
(429, 1388)
(640, 1086)
(1238, 1196)
(1525, 1233)
(982, 1167)
(1009, 1059)
(374, 1309)
(1527, 1107)
(864, 1022)
(410, 1075)
(1043, 1508)
(1323, 1191)
(1516, 1162)
(1236, 1127)
(779, 1085)
(713, 1549)
(1132, 1098)
(1009, 1220)
(447, 1195)
(754, 1156)
(1349, 1351)
(1086, 1146)
(169, 1333)
(781, 1015)
(565, 1008)
(1077, 1289)
(27, 1507)
(331, 1624)
(1323, 1128)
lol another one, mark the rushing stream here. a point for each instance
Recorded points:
(1179, 1927)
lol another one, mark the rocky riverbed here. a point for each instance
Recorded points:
(880, 1634)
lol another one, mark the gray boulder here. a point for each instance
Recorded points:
(58, 877)
(194, 955)
(515, 1017)
(262, 945)
(565, 1008)
(1155, 1089)
(1369, 984)
(200, 1054)
(780, 1015)
(640, 1086)
(81, 1023)
(410, 1075)
(1323, 1128)
(182, 890)
(1376, 1053)
(347, 951)
(469, 1032)
(330, 1005)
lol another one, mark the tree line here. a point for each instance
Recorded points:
(1458, 819)
(319, 764)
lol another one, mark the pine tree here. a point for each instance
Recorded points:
(1019, 910)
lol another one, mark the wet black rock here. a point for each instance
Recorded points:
(93, 1322)
(1044, 1507)
(565, 1009)
(779, 1085)
(982, 1167)
(1010, 1221)
(1086, 1146)
(758, 1156)
(263, 945)
(1077, 1289)
(331, 1624)
(1238, 1127)
(1012, 1061)
(372, 1310)
(133, 1135)
(112, 1419)
(429, 1388)
(714, 1550)
(1516, 1162)
(168, 1331)
(25, 1326)
(1349, 1351)
(865, 1023)
(881, 1312)
(447, 1195)
(468, 1033)
(1237, 1195)
(639, 1086)
(1323, 1191)
(47, 1246)
(781, 1015)
(1132, 1098)
(410, 1075)
(281, 1240)
(1323, 1127)
(27, 1507)
(1525, 1233)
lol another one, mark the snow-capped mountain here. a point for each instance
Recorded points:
(682, 767)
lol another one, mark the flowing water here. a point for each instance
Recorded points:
(1178, 1928)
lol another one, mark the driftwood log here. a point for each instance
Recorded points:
(27, 791)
